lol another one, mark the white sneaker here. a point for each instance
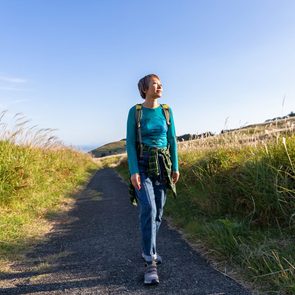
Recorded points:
(151, 274)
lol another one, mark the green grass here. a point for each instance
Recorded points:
(38, 178)
(34, 181)
(239, 201)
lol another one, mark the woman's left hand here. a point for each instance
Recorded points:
(175, 176)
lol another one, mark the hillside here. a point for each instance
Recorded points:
(251, 132)
(278, 123)
(112, 148)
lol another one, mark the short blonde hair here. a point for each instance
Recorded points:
(143, 84)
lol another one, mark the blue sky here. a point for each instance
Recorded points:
(73, 65)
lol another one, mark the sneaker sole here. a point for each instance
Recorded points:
(152, 282)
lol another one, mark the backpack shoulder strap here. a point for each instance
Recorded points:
(138, 116)
(165, 108)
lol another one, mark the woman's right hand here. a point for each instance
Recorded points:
(135, 180)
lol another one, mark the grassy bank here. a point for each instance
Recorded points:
(37, 176)
(239, 201)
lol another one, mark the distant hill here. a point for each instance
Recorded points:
(113, 148)
(281, 118)
(278, 123)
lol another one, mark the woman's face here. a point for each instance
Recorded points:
(155, 88)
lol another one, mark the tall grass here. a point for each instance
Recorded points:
(253, 183)
(239, 197)
(37, 174)
(236, 194)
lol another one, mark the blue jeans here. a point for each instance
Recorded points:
(151, 199)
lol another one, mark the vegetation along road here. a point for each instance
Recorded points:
(96, 251)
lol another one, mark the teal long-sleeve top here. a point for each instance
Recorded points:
(154, 133)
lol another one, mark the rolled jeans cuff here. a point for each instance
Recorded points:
(149, 258)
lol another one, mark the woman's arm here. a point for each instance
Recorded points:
(131, 142)
(171, 136)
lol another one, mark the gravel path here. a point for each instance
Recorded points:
(98, 252)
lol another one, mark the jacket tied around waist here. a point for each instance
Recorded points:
(158, 166)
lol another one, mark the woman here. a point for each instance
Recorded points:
(153, 165)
